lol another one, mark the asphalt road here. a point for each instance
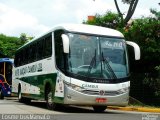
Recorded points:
(11, 109)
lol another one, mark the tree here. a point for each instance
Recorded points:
(24, 38)
(131, 9)
(145, 32)
(109, 19)
(2, 55)
(8, 45)
(156, 13)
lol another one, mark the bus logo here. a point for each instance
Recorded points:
(101, 92)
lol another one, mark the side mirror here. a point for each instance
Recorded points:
(65, 41)
(136, 49)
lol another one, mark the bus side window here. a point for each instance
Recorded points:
(34, 51)
(30, 54)
(25, 56)
(16, 59)
(59, 54)
(48, 46)
(17, 63)
(20, 58)
(39, 49)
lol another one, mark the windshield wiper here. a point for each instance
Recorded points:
(92, 64)
(109, 68)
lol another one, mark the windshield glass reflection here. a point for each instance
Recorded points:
(97, 56)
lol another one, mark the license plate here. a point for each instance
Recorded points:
(101, 100)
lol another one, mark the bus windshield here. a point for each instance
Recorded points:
(96, 56)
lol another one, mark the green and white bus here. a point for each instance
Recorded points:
(75, 64)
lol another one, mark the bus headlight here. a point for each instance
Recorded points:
(123, 90)
(75, 87)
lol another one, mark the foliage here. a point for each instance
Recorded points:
(109, 19)
(132, 6)
(156, 13)
(146, 33)
(8, 45)
(153, 82)
(25, 38)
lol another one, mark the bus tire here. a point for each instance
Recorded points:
(1, 94)
(48, 96)
(22, 99)
(19, 94)
(99, 108)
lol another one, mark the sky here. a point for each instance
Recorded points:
(35, 17)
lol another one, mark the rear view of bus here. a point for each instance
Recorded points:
(6, 65)
(75, 64)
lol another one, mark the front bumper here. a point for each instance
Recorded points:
(74, 97)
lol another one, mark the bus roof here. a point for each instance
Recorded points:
(89, 29)
(82, 28)
(6, 60)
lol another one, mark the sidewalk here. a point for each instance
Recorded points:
(135, 108)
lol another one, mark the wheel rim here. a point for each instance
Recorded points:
(19, 95)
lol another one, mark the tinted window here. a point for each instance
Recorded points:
(48, 46)
(37, 50)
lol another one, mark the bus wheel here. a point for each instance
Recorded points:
(1, 94)
(49, 95)
(23, 99)
(99, 108)
(20, 98)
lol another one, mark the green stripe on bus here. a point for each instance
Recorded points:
(40, 81)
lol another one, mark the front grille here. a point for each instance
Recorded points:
(107, 93)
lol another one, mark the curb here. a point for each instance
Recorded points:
(139, 109)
